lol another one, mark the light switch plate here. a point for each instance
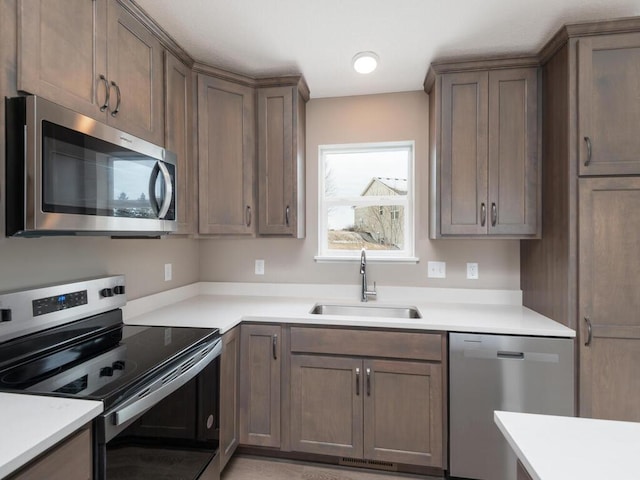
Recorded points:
(437, 269)
(472, 271)
(259, 267)
(167, 272)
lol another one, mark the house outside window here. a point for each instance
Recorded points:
(366, 200)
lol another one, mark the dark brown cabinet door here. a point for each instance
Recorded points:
(226, 147)
(609, 301)
(281, 120)
(260, 362)
(403, 412)
(513, 186)
(178, 100)
(463, 176)
(326, 405)
(135, 73)
(57, 56)
(229, 395)
(608, 104)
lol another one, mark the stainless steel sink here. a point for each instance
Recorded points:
(366, 311)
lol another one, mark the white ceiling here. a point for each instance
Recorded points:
(318, 38)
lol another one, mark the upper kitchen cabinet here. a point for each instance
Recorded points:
(73, 30)
(281, 157)
(227, 152)
(112, 68)
(484, 144)
(179, 138)
(608, 104)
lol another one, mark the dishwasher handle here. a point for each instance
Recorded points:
(511, 355)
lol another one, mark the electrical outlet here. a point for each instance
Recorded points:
(437, 269)
(472, 271)
(167, 272)
(259, 267)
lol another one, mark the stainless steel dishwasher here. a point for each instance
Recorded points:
(498, 372)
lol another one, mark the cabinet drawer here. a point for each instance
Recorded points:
(367, 343)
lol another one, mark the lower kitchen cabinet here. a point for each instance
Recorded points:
(229, 395)
(260, 364)
(367, 408)
(522, 473)
(71, 459)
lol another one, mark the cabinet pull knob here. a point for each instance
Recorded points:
(588, 160)
(286, 215)
(589, 332)
(118, 101)
(483, 214)
(357, 381)
(368, 382)
(107, 90)
(494, 214)
(275, 347)
(248, 216)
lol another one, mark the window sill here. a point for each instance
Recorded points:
(370, 259)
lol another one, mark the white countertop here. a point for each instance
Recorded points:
(561, 448)
(203, 305)
(32, 424)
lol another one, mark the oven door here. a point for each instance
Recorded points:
(168, 428)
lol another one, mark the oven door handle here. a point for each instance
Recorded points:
(148, 400)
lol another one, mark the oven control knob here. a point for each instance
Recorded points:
(106, 292)
(106, 372)
(5, 315)
(119, 290)
(118, 365)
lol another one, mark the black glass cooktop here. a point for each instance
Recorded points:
(96, 358)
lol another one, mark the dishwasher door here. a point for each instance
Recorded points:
(499, 372)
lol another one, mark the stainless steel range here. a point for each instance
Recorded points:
(159, 386)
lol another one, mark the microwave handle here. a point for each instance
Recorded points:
(160, 211)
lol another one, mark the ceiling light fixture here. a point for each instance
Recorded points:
(365, 62)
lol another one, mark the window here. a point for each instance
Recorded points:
(366, 201)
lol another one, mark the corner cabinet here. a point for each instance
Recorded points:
(608, 104)
(485, 149)
(112, 69)
(260, 366)
(348, 400)
(226, 154)
(281, 159)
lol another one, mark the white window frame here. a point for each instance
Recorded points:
(407, 255)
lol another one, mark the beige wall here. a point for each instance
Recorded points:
(30, 262)
(373, 118)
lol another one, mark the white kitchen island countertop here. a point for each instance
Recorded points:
(562, 448)
(31, 424)
(204, 305)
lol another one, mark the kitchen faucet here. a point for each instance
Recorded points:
(364, 297)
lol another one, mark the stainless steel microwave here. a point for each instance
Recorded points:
(68, 174)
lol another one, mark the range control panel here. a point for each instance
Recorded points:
(42, 306)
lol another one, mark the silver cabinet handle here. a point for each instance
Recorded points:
(105, 105)
(357, 381)
(119, 98)
(275, 347)
(368, 382)
(494, 214)
(588, 160)
(483, 214)
(248, 216)
(286, 215)
(589, 332)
